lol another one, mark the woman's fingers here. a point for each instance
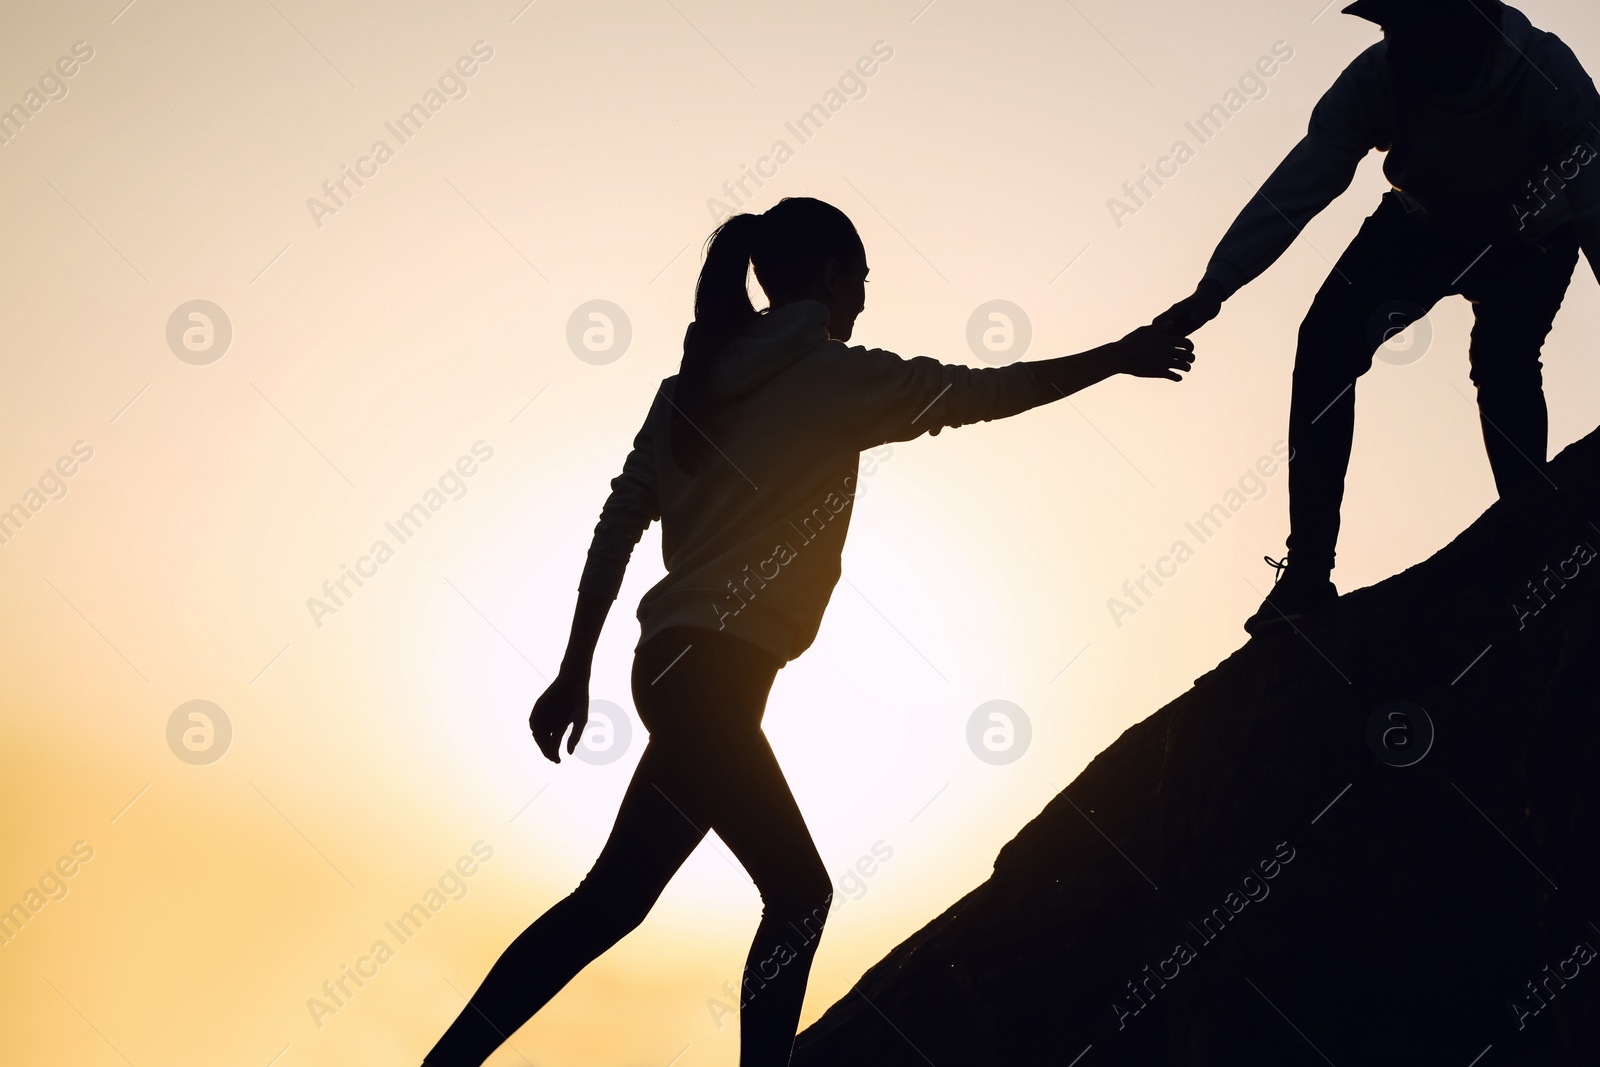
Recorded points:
(548, 737)
(1173, 364)
(564, 704)
(546, 743)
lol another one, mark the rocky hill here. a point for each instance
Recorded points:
(1373, 840)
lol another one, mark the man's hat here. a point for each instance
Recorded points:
(1420, 12)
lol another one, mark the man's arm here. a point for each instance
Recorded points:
(1574, 144)
(633, 504)
(1350, 120)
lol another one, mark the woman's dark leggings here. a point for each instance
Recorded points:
(707, 766)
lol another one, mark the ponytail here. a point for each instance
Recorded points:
(788, 246)
(721, 306)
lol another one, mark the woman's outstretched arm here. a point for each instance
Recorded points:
(879, 396)
(1144, 353)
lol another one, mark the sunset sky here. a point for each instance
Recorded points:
(388, 337)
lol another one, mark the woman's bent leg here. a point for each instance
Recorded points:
(713, 696)
(648, 843)
(762, 826)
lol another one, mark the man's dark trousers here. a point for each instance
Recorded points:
(1392, 274)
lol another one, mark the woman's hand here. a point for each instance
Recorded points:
(565, 703)
(1145, 353)
(1150, 353)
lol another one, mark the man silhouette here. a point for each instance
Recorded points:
(1491, 128)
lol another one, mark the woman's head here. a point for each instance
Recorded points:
(801, 249)
(806, 249)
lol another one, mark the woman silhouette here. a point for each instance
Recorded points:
(748, 457)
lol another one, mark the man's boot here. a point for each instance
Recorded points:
(1296, 592)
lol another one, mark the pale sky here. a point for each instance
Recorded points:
(421, 322)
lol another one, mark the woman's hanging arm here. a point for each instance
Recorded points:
(627, 513)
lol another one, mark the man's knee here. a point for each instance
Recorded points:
(1338, 338)
(1330, 319)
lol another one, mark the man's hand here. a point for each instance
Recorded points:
(1150, 353)
(565, 703)
(1192, 312)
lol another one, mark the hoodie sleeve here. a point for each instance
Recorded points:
(883, 397)
(1573, 146)
(630, 509)
(1350, 120)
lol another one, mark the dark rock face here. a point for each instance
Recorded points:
(1283, 867)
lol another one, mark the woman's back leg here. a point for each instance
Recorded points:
(648, 843)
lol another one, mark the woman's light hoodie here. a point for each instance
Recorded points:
(752, 543)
